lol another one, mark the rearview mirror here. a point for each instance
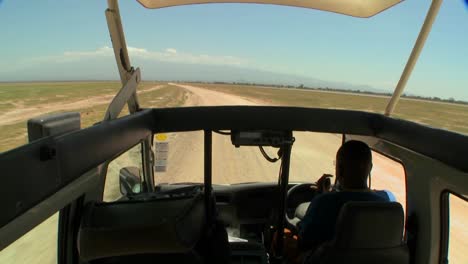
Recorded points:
(130, 181)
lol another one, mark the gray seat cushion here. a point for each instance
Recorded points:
(369, 225)
(366, 232)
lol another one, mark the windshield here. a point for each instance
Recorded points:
(313, 155)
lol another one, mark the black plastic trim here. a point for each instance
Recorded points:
(448, 147)
(444, 227)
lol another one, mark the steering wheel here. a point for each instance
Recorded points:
(322, 185)
(300, 211)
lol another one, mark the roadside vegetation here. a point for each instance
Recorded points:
(363, 92)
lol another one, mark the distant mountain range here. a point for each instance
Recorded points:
(213, 73)
(105, 69)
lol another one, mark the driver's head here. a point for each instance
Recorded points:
(353, 164)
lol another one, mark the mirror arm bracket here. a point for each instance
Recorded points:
(124, 95)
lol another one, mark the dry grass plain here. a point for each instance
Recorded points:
(452, 117)
(20, 101)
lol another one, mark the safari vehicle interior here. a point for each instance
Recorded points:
(206, 222)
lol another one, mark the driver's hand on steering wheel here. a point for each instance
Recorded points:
(324, 183)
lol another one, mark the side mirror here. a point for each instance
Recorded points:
(130, 181)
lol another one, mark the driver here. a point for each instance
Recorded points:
(353, 166)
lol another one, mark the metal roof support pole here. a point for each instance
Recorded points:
(418, 46)
(114, 23)
(127, 94)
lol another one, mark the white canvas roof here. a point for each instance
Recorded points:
(357, 8)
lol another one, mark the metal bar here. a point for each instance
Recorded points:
(444, 230)
(147, 156)
(119, 45)
(114, 7)
(418, 46)
(208, 173)
(283, 190)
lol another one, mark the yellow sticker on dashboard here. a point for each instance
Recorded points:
(161, 137)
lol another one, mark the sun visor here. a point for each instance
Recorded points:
(356, 8)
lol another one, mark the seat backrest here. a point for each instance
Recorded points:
(162, 226)
(366, 232)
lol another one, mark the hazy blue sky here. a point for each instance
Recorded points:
(38, 36)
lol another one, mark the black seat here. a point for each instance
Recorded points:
(248, 252)
(150, 231)
(366, 232)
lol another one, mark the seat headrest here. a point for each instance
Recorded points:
(369, 225)
(141, 227)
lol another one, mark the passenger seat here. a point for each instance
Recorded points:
(366, 232)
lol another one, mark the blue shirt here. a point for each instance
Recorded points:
(387, 194)
(318, 225)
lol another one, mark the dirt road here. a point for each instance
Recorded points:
(312, 154)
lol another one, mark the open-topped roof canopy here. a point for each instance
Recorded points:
(356, 8)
